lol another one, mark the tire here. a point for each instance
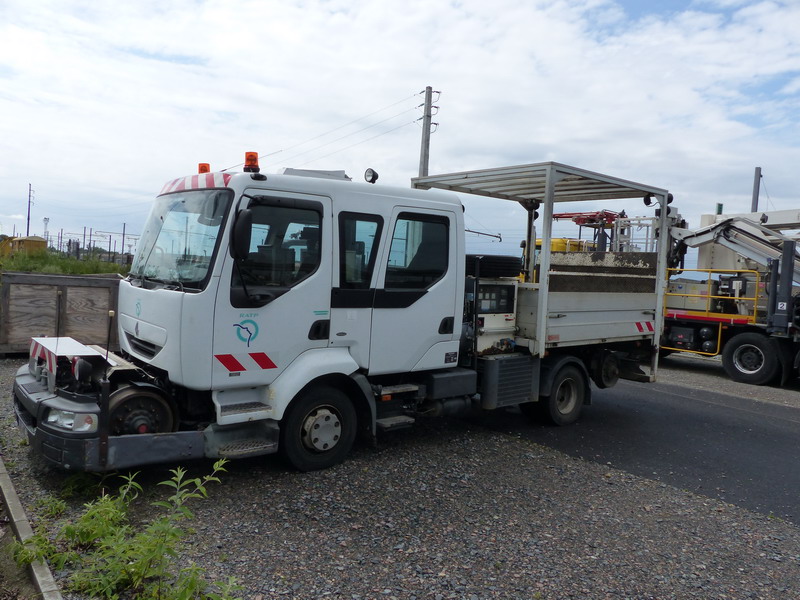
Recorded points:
(751, 358)
(564, 404)
(318, 430)
(494, 265)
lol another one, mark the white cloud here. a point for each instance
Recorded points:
(102, 103)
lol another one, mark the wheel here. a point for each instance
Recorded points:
(135, 410)
(318, 430)
(564, 404)
(494, 265)
(751, 358)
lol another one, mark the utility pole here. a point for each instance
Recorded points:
(122, 243)
(30, 201)
(756, 188)
(425, 149)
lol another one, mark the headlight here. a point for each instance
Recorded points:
(70, 421)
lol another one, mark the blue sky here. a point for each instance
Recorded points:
(101, 103)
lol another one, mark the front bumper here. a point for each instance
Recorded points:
(82, 452)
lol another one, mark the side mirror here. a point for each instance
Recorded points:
(242, 227)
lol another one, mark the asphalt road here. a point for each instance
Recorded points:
(694, 430)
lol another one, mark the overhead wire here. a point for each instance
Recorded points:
(358, 143)
(766, 191)
(304, 153)
(321, 135)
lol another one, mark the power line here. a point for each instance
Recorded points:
(296, 156)
(358, 143)
(334, 130)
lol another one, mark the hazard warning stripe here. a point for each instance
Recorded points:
(263, 361)
(229, 362)
(39, 351)
(234, 364)
(645, 326)
(197, 182)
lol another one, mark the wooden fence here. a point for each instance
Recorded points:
(40, 304)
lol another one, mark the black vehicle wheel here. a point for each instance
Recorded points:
(318, 429)
(494, 266)
(564, 404)
(751, 358)
(136, 410)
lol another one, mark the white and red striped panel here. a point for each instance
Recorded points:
(200, 181)
(39, 351)
(645, 327)
(255, 361)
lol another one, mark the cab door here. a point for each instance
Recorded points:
(358, 238)
(274, 304)
(417, 304)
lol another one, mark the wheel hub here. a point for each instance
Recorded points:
(133, 411)
(322, 429)
(748, 359)
(566, 396)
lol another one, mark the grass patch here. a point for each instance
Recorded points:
(51, 262)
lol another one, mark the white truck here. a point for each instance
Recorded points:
(292, 312)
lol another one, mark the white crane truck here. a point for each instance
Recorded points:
(292, 312)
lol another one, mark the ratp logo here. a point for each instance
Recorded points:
(246, 331)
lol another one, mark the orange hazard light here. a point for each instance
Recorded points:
(203, 168)
(251, 162)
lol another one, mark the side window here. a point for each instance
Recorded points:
(418, 255)
(284, 246)
(358, 244)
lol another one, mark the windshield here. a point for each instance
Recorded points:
(181, 236)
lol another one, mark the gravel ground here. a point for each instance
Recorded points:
(452, 510)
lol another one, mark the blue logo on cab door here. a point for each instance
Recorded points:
(246, 331)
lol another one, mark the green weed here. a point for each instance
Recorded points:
(107, 556)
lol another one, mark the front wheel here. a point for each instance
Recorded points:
(564, 404)
(318, 430)
(751, 358)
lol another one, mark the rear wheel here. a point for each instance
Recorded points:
(751, 358)
(564, 404)
(318, 430)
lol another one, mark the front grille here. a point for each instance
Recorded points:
(146, 349)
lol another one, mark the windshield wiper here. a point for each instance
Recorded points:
(166, 282)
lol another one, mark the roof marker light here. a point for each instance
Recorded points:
(203, 168)
(251, 162)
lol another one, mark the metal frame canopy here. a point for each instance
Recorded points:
(526, 183)
(547, 183)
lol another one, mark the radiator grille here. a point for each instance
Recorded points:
(146, 349)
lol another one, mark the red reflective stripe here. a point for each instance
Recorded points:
(650, 326)
(640, 328)
(210, 180)
(263, 361)
(226, 177)
(229, 362)
(195, 182)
